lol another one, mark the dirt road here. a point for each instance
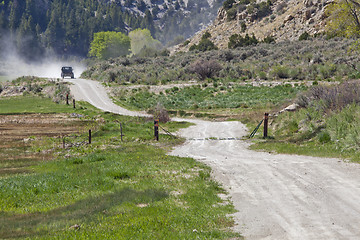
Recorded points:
(277, 196)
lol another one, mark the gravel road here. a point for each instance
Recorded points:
(277, 196)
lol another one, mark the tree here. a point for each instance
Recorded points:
(141, 38)
(344, 18)
(109, 45)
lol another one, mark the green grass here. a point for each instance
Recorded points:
(31, 104)
(309, 148)
(314, 132)
(208, 98)
(112, 189)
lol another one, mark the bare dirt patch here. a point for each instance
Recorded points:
(17, 133)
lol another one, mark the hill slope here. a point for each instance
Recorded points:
(283, 20)
(66, 27)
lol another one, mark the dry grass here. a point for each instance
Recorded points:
(17, 133)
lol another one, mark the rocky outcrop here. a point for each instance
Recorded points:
(289, 19)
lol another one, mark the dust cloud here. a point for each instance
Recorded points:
(12, 65)
(50, 67)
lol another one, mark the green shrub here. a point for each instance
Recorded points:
(228, 4)
(304, 36)
(243, 26)
(231, 14)
(204, 45)
(280, 72)
(269, 39)
(206, 35)
(324, 137)
(296, 74)
(236, 40)
(264, 9)
(262, 75)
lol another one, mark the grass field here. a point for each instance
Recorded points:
(31, 104)
(109, 189)
(218, 99)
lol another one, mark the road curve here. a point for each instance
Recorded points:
(277, 196)
(94, 93)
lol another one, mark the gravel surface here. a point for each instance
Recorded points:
(277, 196)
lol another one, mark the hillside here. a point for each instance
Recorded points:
(66, 28)
(283, 20)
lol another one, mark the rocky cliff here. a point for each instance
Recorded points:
(284, 20)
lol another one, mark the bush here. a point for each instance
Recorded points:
(61, 90)
(205, 68)
(148, 52)
(206, 35)
(204, 45)
(269, 39)
(243, 27)
(296, 74)
(161, 113)
(264, 9)
(231, 14)
(262, 75)
(324, 137)
(333, 97)
(280, 7)
(280, 72)
(236, 40)
(228, 4)
(304, 36)
(227, 55)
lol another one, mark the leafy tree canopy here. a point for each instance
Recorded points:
(109, 45)
(141, 38)
(344, 18)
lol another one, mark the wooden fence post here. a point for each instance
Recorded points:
(266, 122)
(156, 129)
(89, 136)
(121, 131)
(74, 103)
(67, 99)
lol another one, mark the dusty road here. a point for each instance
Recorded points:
(277, 196)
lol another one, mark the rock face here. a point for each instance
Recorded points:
(288, 20)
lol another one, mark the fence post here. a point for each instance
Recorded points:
(89, 136)
(266, 122)
(121, 131)
(74, 103)
(156, 129)
(67, 99)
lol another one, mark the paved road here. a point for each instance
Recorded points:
(277, 196)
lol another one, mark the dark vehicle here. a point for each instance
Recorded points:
(67, 72)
